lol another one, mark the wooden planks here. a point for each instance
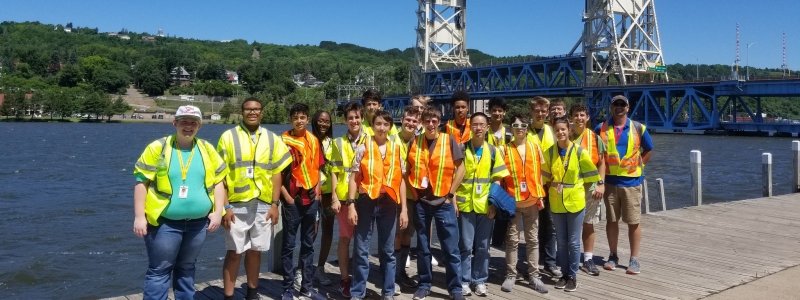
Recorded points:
(686, 253)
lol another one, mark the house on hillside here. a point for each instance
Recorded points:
(306, 80)
(232, 77)
(179, 76)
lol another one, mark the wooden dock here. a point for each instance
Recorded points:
(687, 253)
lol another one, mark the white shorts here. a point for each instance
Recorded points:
(251, 230)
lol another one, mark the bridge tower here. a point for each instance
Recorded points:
(441, 34)
(621, 42)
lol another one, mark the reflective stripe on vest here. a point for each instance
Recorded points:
(473, 193)
(548, 137)
(378, 172)
(345, 154)
(437, 167)
(588, 142)
(261, 156)
(461, 137)
(307, 174)
(531, 171)
(631, 164)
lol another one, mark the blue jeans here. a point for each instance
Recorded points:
(475, 232)
(172, 250)
(383, 212)
(304, 217)
(447, 230)
(547, 237)
(568, 232)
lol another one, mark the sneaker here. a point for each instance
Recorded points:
(633, 267)
(420, 294)
(465, 290)
(344, 288)
(481, 290)
(252, 294)
(314, 295)
(288, 295)
(561, 283)
(611, 263)
(298, 279)
(405, 280)
(509, 283)
(537, 285)
(457, 296)
(572, 285)
(321, 277)
(434, 262)
(589, 267)
(396, 289)
(552, 271)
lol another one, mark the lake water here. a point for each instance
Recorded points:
(66, 200)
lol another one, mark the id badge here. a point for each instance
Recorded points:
(560, 188)
(479, 188)
(183, 192)
(523, 186)
(250, 172)
(424, 182)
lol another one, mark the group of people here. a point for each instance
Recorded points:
(402, 180)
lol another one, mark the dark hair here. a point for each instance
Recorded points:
(298, 108)
(578, 107)
(385, 115)
(558, 102)
(250, 99)
(370, 95)
(315, 128)
(478, 114)
(353, 106)
(557, 120)
(431, 112)
(498, 101)
(460, 95)
(522, 118)
(412, 111)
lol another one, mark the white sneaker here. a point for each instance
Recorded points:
(481, 290)
(465, 290)
(408, 261)
(322, 278)
(434, 262)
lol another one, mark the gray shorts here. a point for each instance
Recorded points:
(250, 230)
(592, 209)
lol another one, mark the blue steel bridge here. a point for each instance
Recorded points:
(619, 53)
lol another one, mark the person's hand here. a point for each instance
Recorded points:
(352, 214)
(336, 205)
(598, 191)
(492, 212)
(403, 219)
(214, 220)
(228, 219)
(272, 215)
(540, 204)
(140, 227)
(455, 207)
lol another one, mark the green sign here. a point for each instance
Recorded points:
(658, 69)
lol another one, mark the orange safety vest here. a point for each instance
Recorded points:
(378, 172)
(307, 146)
(461, 137)
(588, 142)
(631, 164)
(435, 169)
(530, 172)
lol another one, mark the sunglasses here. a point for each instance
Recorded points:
(519, 125)
(620, 104)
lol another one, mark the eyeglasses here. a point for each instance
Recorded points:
(478, 125)
(519, 125)
(252, 110)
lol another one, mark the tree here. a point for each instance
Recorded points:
(69, 76)
(226, 110)
(150, 75)
(95, 104)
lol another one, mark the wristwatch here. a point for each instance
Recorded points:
(601, 182)
(229, 206)
(449, 196)
(350, 201)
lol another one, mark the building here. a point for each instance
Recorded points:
(306, 80)
(232, 77)
(179, 76)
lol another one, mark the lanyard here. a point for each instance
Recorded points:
(566, 158)
(185, 167)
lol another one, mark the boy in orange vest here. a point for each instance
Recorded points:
(301, 197)
(459, 127)
(378, 182)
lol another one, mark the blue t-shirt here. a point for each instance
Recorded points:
(197, 204)
(622, 149)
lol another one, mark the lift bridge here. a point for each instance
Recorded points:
(618, 53)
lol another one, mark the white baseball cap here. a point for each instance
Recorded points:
(189, 111)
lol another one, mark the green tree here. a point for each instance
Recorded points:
(95, 104)
(226, 110)
(69, 76)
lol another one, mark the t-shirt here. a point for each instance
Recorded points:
(197, 204)
(622, 149)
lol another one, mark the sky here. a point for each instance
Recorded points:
(692, 31)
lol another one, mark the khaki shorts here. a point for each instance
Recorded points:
(625, 202)
(250, 230)
(592, 209)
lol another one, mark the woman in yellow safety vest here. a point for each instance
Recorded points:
(321, 128)
(567, 167)
(177, 199)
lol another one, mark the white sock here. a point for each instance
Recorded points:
(587, 256)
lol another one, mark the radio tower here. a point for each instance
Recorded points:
(441, 34)
(621, 41)
(784, 66)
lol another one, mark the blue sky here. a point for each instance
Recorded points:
(691, 30)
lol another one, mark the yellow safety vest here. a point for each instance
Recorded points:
(473, 193)
(343, 156)
(494, 140)
(631, 164)
(327, 150)
(548, 137)
(154, 163)
(579, 169)
(267, 157)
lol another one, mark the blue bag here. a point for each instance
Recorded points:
(505, 205)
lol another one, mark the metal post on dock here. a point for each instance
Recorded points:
(795, 166)
(766, 173)
(660, 182)
(697, 183)
(646, 197)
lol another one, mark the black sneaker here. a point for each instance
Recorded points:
(611, 263)
(420, 294)
(590, 268)
(405, 280)
(572, 284)
(561, 283)
(252, 294)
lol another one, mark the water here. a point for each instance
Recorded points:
(66, 200)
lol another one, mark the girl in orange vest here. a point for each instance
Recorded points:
(378, 182)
